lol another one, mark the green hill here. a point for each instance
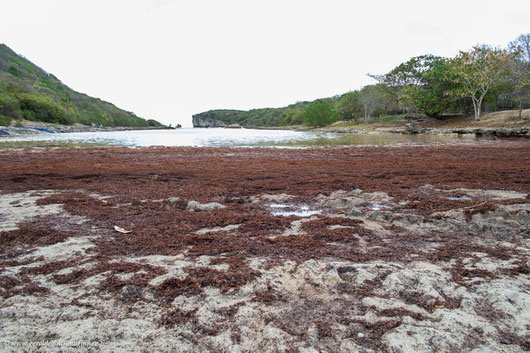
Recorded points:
(29, 92)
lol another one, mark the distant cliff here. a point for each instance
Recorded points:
(203, 120)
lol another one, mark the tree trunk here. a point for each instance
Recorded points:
(520, 108)
(476, 109)
(477, 104)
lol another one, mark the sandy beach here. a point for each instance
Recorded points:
(359, 249)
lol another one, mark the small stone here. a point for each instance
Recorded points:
(360, 335)
(410, 128)
(194, 205)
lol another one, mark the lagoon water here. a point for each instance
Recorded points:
(218, 137)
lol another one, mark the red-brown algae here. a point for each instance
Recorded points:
(402, 235)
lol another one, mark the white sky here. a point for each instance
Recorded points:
(169, 59)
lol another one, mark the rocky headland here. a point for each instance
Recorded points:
(201, 121)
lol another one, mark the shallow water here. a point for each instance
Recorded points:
(283, 209)
(225, 137)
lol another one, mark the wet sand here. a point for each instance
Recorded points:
(365, 249)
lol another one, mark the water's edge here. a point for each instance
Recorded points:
(219, 137)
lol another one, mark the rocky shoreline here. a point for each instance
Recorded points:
(366, 249)
(412, 129)
(50, 129)
(523, 132)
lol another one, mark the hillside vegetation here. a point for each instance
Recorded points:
(28, 92)
(290, 115)
(480, 80)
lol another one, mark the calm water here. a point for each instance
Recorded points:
(224, 137)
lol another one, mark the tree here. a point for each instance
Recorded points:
(476, 71)
(370, 97)
(419, 85)
(522, 45)
(319, 113)
(520, 81)
(349, 107)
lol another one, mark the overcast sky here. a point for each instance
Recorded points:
(169, 59)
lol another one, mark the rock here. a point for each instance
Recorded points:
(380, 215)
(354, 212)
(131, 293)
(478, 132)
(194, 205)
(340, 203)
(523, 216)
(410, 128)
(411, 218)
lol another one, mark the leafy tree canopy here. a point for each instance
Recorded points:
(320, 113)
(478, 70)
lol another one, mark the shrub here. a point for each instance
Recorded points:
(5, 120)
(29, 115)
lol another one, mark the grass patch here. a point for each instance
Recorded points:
(383, 120)
(516, 118)
(387, 119)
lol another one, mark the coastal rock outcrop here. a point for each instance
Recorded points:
(523, 131)
(203, 121)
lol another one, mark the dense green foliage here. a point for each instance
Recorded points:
(349, 106)
(420, 85)
(424, 84)
(5, 120)
(27, 91)
(320, 113)
(290, 115)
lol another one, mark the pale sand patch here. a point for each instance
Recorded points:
(296, 227)
(218, 229)
(70, 249)
(21, 207)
